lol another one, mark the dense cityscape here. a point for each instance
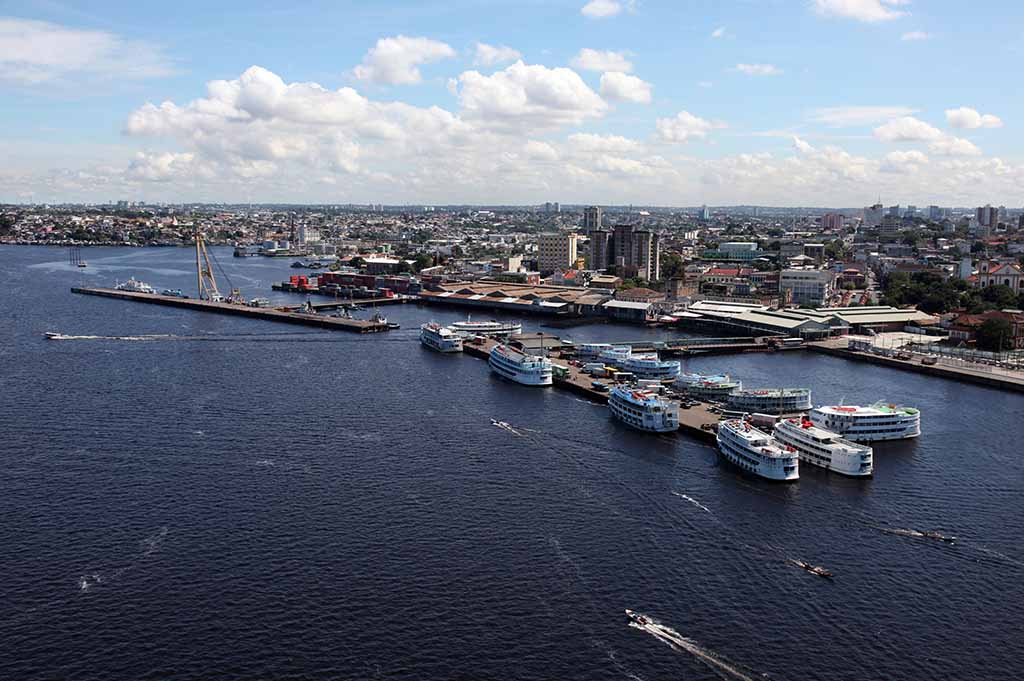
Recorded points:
(963, 265)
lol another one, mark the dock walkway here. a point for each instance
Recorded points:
(694, 421)
(269, 314)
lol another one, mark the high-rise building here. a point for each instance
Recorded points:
(600, 248)
(807, 287)
(987, 216)
(557, 252)
(832, 222)
(934, 213)
(592, 218)
(873, 215)
(636, 252)
(705, 213)
(895, 210)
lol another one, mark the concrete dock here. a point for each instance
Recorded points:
(695, 421)
(1003, 379)
(269, 314)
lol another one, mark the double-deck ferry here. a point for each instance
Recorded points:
(823, 448)
(770, 401)
(757, 452)
(715, 388)
(643, 409)
(520, 367)
(440, 338)
(880, 421)
(590, 350)
(489, 328)
(642, 365)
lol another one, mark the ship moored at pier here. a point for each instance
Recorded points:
(643, 409)
(520, 367)
(491, 328)
(822, 448)
(880, 421)
(440, 338)
(642, 365)
(770, 401)
(757, 452)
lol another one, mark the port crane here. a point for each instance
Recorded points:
(206, 282)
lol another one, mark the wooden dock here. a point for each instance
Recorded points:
(269, 314)
(695, 421)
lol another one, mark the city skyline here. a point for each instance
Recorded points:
(821, 103)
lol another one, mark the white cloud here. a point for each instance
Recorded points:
(903, 162)
(965, 117)
(35, 52)
(907, 129)
(489, 55)
(684, 127)
(862, 10)
(599, 9)
(625, 88)
(395, 61)
(802, 146)
(758, 69)
(611, 144)
(536, 150)
(954, 146)
(528, 95)
(598, 60)
(718, 32)
(850, 116)
(914, 35)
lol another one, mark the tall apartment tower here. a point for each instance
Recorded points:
(592, 218)
(557, 252)
(600, 238)
(636, 252)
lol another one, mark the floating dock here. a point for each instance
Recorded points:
(696, 421)
(269, 314)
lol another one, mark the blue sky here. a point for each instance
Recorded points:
(809, 102)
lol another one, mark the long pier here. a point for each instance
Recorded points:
(269, 314)
(966, 374)
(696, 421)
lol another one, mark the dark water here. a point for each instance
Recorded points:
(300, 505)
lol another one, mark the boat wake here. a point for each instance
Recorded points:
(725, 668)
(504, 425)
(926, 534)
(692, 501)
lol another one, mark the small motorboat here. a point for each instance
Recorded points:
(637, 618)
(394, 325)
(932, 534)
(53, 335)
(813, 569)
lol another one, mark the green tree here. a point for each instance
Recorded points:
(995, 335)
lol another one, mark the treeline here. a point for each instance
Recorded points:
(931, 293)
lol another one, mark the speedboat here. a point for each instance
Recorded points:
(816, 570)
(932, 534)
(394, 325)
(53, 335)
(637, 618)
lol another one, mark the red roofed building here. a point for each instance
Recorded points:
(1005, 274)
(965, 327)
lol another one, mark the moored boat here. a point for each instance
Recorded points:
(440, 338)
(489, 328)
(520, 367)
(770, 401)
(822, 448)
(880, 421)
(643, 409)
(757, 452)
(133, 285)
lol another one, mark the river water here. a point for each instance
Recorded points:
(247, 500)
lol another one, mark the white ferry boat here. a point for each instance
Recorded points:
(135, 286)
(757, 452)
(440, 338)
(770, 401)
(520, 367)
(715, 389)
(822, 448)
(686, 379)
(642, 365)
(643, 409)
(589, 350)
(489, 328)
(880, 421)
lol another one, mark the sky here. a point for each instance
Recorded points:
(669, 103)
